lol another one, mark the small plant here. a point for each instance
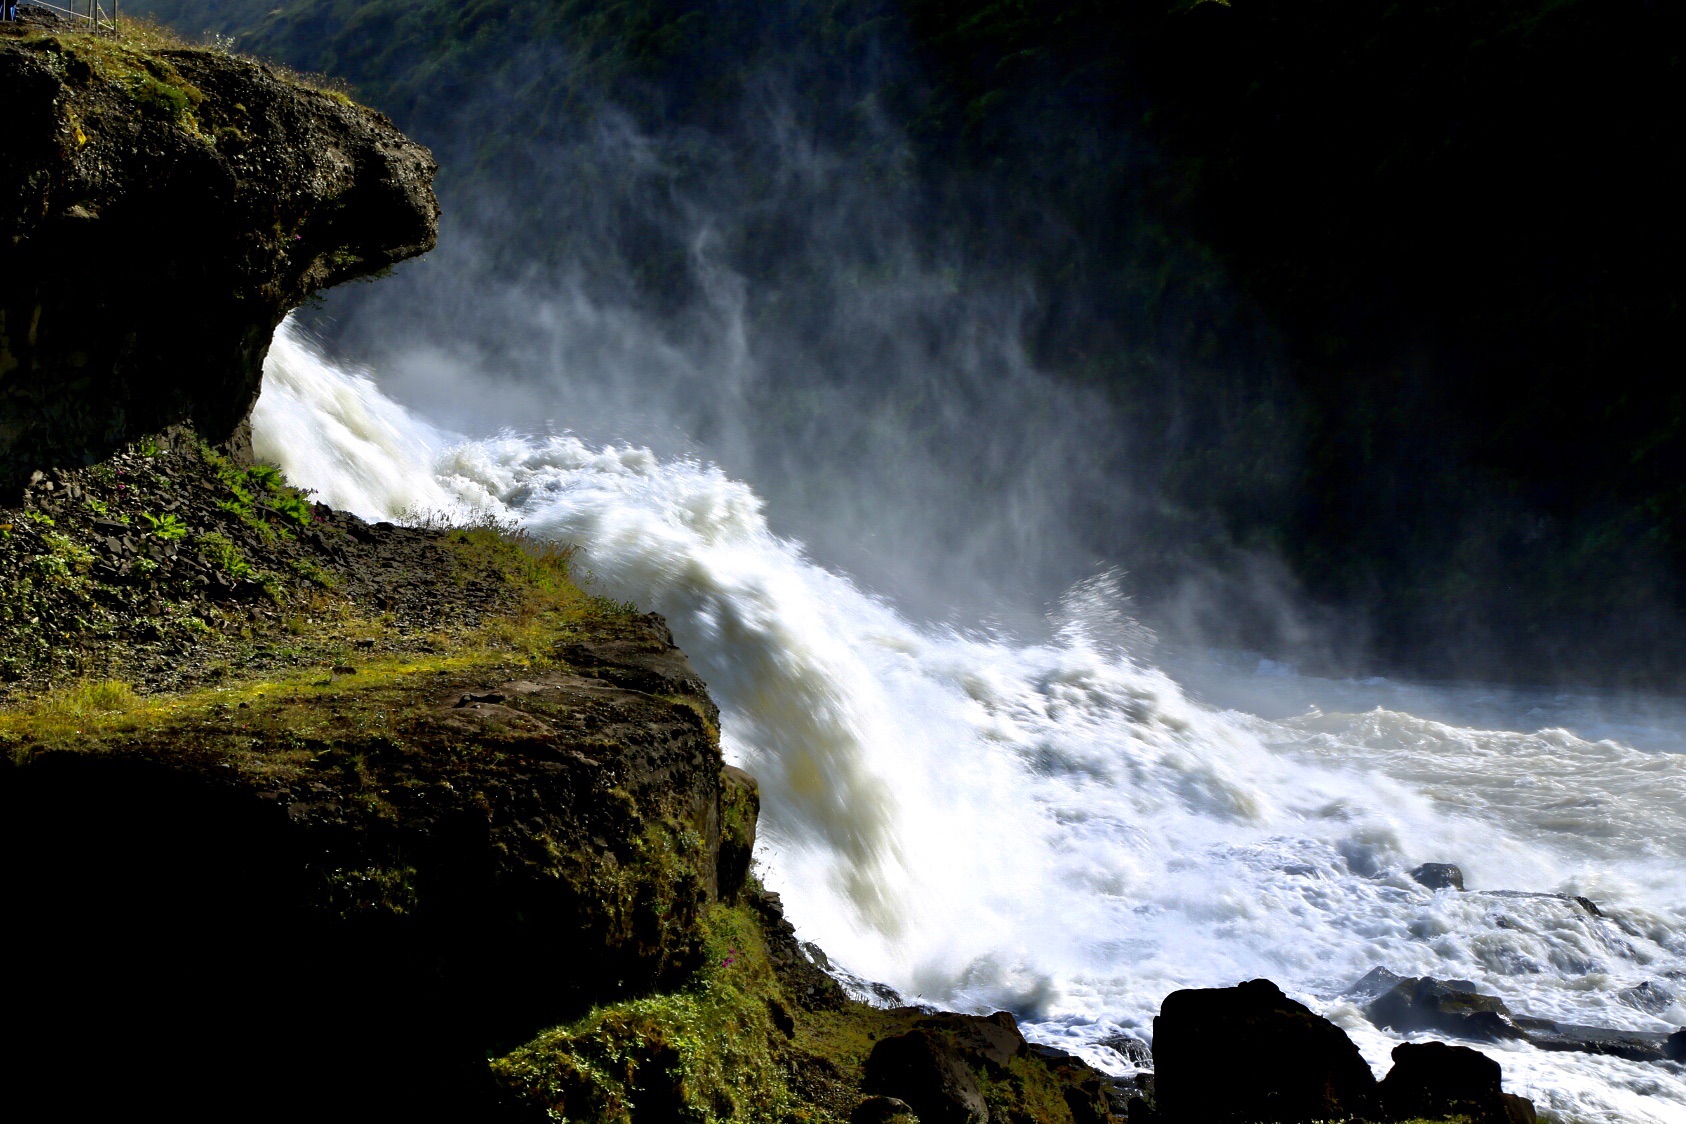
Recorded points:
(166, 527)
(73, 555)
(148, 447)
(39, 518)
(224, 555)
(97, 506)
(313, 573)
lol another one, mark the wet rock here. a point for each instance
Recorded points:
(1633, 1045)
(923, 1069)
(1439, 876)
(1133, 1050)
(1651, 997)
(1279, 1060)
(1444, 1006)
(1433, 1080)
(1674, 1046)
(1373, 984)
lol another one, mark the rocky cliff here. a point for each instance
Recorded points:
(165, 207)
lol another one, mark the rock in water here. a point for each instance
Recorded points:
(1651, 997)
(164, 210)
(1445, 1006)
(1439, 876)
(922, 1068)
(1278, 1060)
(1433, 1080)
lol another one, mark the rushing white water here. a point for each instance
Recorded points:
(1059, 829)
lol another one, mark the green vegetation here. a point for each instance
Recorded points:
(699, 1055)
(132, 63)
(168, 527)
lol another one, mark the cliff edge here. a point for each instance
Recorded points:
(165, 208)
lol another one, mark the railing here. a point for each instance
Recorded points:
(90, 13)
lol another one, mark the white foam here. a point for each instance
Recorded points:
(1058, 828)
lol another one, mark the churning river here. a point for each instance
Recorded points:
(1064, 830)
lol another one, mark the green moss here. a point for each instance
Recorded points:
(701, 1054)
(155, 87)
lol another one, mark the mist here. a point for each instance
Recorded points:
(780, 294)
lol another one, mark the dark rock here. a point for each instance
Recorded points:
(161, 217)
(740, 808)
(407, 938)
(1674, 1046)
(1279, 1060)
(1433, 1080)
(1439, 876)
(922, 1068)
(1443, 1006)
(1651, 997)
(881, 1110)
(989, 1040)
(1633, 1045)
(1373, 984)
(1132, 1049)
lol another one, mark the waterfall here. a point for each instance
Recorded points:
(1059, 828)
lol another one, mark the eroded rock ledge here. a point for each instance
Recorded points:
(163, 209)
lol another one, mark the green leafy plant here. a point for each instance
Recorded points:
(166, 527)
(39, 518)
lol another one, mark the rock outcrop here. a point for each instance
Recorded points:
(1281, 1062)
(163, 209)
(1431, 1080)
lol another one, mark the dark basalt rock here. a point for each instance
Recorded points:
(350, 937)
(1280, 1061)
(1439, 876)
(1132, 1049)
(1443, 1006)
(1433, 1080)
(164, 210)
(991, 1041)
(1633, 1045)
(924, 1069)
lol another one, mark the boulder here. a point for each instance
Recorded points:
(1432, 1080)
(1445, 1007)
(1248, 1054)
(1674, 1047)
(164, 209)
(1439, 876)
(1133, 1050)
(923, 1069)
(1650, 996)
(983, 1040)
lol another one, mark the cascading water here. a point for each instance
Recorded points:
(1057, 828)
